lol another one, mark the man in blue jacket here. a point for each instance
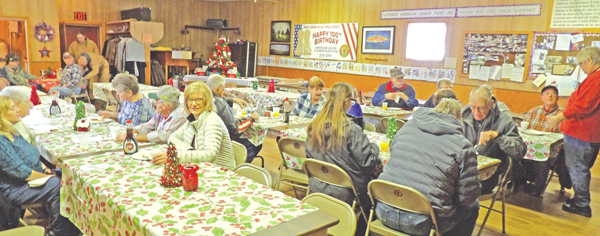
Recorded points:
(396, 93)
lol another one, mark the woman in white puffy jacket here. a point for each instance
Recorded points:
(204, 137)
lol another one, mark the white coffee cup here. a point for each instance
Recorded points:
(115, 131)
(84, 139)
(524, 125)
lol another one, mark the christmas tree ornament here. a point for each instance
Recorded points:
(392, 128)
(35, 99)
(80, 114)
(172, 175)
(271, 86)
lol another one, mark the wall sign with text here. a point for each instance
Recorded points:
(465, 12)
(326, 41)
(78, 15)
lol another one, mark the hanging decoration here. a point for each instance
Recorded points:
(43, 32)
(45, 52)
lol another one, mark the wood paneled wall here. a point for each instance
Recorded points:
(255, 20)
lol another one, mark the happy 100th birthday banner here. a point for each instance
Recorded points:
(326, 41)
(378, 70)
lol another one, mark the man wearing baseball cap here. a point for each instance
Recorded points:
(396, 93)
(537, 118)
(169, 116)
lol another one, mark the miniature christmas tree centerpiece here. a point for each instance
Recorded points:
(172, 175)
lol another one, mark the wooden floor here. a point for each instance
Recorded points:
(525, 215)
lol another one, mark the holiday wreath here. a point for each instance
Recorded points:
(43, 32)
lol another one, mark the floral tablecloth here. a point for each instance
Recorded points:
(47, 84)
(258, 131)
(381, 112)
(543, 146)
(99, 94)
(271, 99)
(374, 137)
(110, 195)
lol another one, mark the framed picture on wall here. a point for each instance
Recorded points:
(279, 49)
(281, 31)
(378, 39)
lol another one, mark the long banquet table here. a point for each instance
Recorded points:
(108, 194)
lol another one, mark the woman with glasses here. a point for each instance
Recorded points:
(70, 77)
(334, 137)
(136, 106)
(204, 138)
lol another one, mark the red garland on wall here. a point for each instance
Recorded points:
(43, 32)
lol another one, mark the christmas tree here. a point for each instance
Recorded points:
(80, 113)
(35, 99)
(392, 128)
(172, 175)
(220, 60)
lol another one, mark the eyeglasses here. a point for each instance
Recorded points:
(197, 100)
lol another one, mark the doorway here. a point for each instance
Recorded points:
(13, 39)
(68, 34)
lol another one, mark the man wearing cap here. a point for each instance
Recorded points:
(169, 116)
(70, 77)
(537, 172)
(16, 75)
(396, 93)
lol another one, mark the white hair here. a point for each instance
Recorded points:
(215, 81)
(16, 93)
(482, 92)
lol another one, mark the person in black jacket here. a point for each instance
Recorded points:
(9, 214)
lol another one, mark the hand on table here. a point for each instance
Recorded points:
(487, 136)
(159, 158)
(120, 138)
(255, 116)
(240, 102)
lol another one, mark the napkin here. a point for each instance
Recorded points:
(38, 182)
(397, 99)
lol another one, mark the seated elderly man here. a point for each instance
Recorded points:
(169, 116)
(235, 127)
(493, 133)
(537, 118)
(20, 96)
(311, 103)
(502, 106)
(136, 106)
(443, 84)
(396, 93)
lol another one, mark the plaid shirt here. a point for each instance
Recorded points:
(70, 76)
(159, 128)
(305, 108)
(138, 112)
(537, 119)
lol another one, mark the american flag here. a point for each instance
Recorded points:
(296, 29)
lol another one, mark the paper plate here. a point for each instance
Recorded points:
(158, 171)
(99, 121)
(394, 108)
(533, 132)
(142, 156)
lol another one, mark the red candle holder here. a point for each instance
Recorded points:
(190, 177)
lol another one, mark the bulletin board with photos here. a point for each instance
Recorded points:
(496, 55)
(556, 53)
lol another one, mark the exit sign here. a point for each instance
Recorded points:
(81, 16)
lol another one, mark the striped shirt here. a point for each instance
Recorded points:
(537, 118)
(159, 128)
(305, 108)
(138, 112)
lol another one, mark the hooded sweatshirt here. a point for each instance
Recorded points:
(431, 155)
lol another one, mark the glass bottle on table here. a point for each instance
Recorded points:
(287, 109)
(54, 107)
(130, 145)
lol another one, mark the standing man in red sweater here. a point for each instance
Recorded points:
(581, 129)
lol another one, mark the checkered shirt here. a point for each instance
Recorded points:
(305, 108)
(138, 112)
(537, 118)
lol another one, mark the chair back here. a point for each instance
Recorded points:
(239, 153)
(517, 120)
(401, 197)
(33, 230)
(292, 147)
(83, 83)
(117, 99)
(328, 173)
(258, 174)
(384, 124)
(231, 85)
(369, 127)
(340, 209)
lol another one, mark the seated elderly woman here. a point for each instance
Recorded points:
(19, 163)
(204, 138)
(442, 84)
(20, 96)
(334, 137)
(443, 95)
(446, 173)
(136, 106)
(70, 77)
